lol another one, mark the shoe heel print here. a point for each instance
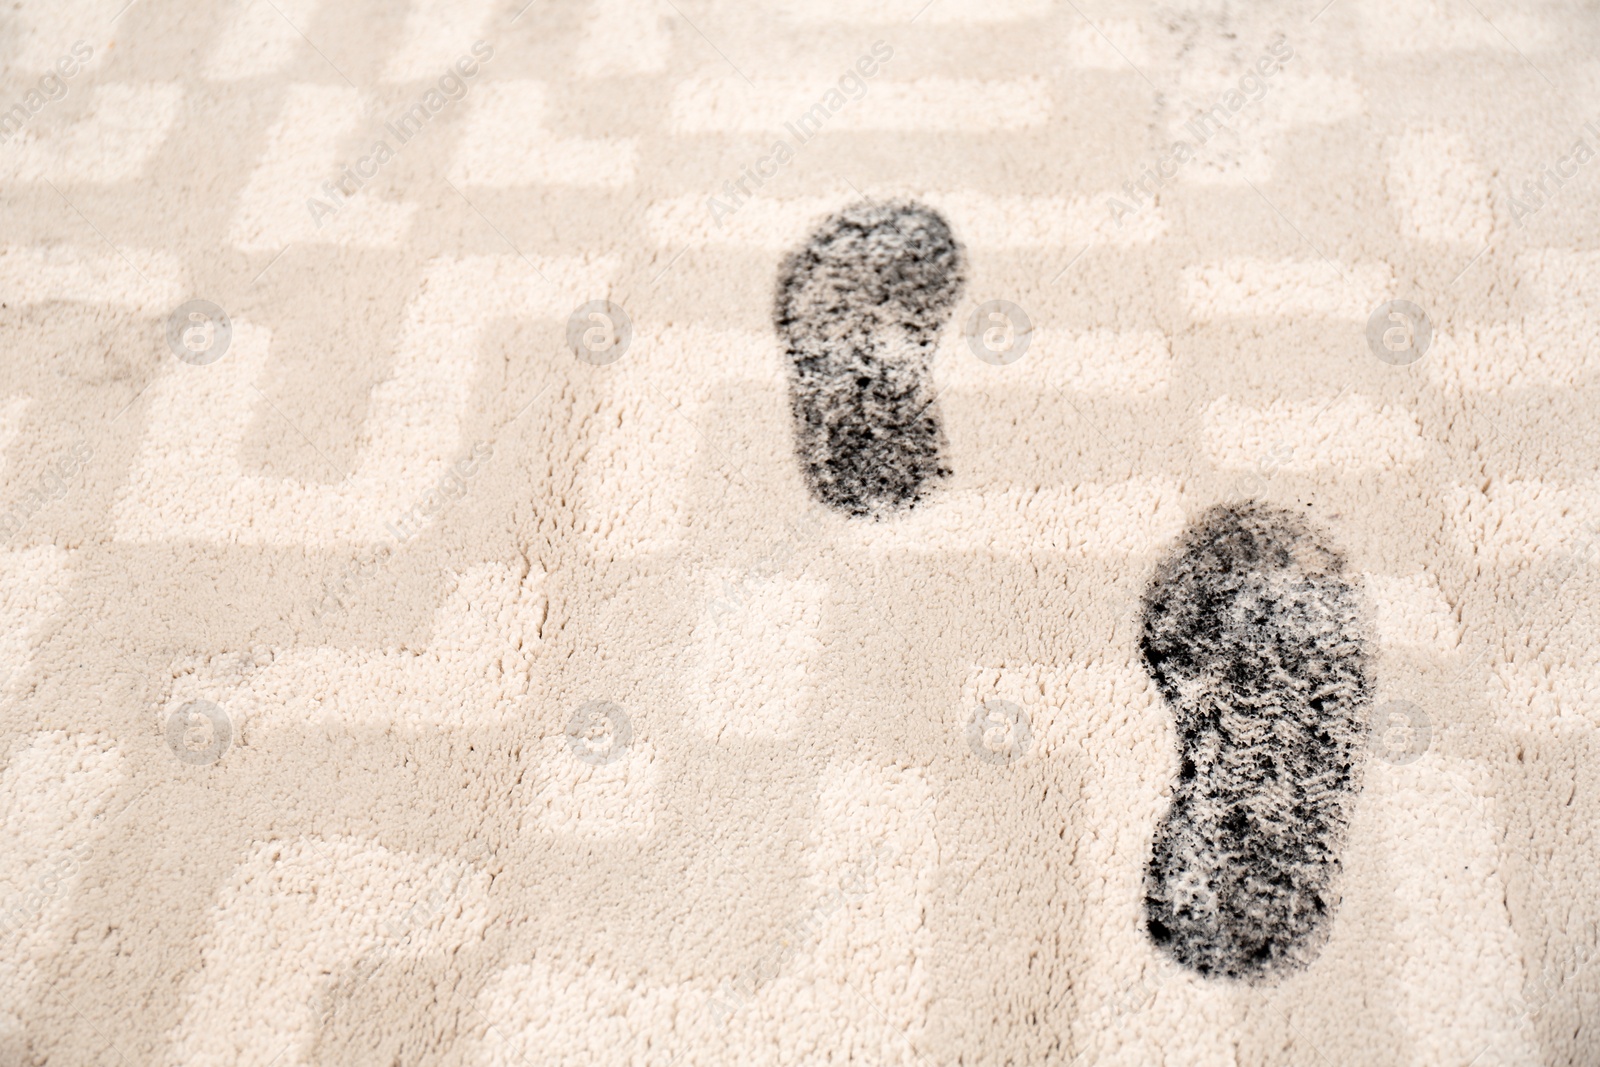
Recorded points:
(859, 309)
(1252, 634)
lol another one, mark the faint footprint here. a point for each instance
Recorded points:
(1252, 634)
(859, 309)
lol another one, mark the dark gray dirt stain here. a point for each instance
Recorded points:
(859, 309)
(1252, 632)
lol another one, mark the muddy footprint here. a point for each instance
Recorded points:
(1252, 633)
(859, 309)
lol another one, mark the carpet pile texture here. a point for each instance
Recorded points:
(918, 532)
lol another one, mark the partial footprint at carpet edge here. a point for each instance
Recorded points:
(1253, 636)
(859, 309)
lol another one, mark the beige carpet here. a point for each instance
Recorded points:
(433, 635)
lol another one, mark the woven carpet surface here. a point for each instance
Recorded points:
(916, 532)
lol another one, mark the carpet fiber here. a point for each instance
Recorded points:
(915, 532)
